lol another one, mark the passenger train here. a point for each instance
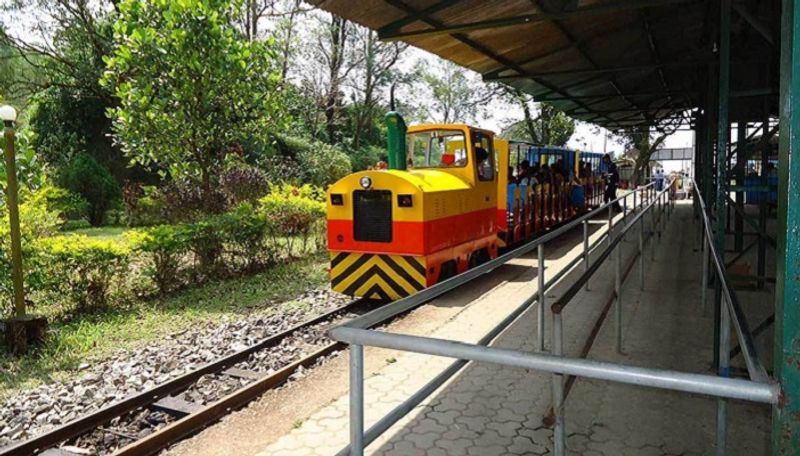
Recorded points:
(445, 204)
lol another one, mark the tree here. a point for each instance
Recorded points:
(86, 177)
(373, 73)
(640, 144)
(68, 115)
(549, 126)
(191, 88)
(643, 140)
(453, 95)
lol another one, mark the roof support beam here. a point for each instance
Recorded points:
(395, 26)
(571, 38)
(754, 22)
(529, 18)
(400, 4)
(599, 70)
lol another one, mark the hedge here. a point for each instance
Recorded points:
(78, 273)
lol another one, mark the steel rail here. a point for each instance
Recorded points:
(709, 385)
(559, 305)
(426, 390)
(755, 368)
(405, 304)
(91, 421)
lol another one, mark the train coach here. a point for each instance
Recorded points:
(445, 204)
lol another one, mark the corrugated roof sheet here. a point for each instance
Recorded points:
(617, 63)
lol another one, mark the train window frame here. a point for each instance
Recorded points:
(461, 155)
(485, 142)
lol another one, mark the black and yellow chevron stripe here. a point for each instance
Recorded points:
(377, 276)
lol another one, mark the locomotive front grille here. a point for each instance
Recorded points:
(372, 215)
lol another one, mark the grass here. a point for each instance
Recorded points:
(111, 233)
(92, 338)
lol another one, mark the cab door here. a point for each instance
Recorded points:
(484, 156)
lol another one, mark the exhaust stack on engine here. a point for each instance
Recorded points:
(396, 140)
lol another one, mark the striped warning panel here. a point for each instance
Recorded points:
(377, 276)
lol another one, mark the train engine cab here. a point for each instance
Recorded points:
(428, 217)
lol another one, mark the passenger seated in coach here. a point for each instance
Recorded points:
(511, 178)
(482, 162)
(545, 176)
(533, 178)
(524, 172)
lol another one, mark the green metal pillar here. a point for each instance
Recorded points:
(762, 203)
(786, 414)
(710, 136)
(722, 322)
(741, 160)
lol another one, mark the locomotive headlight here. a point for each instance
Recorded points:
(366, 182)
(405, 201)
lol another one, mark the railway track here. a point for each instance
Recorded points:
(154, 419)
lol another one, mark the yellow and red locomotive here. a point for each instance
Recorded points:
(445, 204)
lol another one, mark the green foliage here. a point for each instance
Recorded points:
(246, 233)
(366, 156)
(190, 87)
(31, 172)
(70, 206)
(293, 212)
(300, 161)
(144, 204)
(80, 270)
(206, 239)
(164, 246)
(92, 181)
(36, 221)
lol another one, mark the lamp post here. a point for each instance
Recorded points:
(9, 115)
(22, 329)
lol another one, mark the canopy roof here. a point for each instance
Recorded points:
(616, 63)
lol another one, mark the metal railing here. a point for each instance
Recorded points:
(355, 333)
(730, 313)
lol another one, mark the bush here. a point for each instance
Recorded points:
(92, 181)
(144, 205)
(366, 156)
(298, 160)
(80, 270)
(164, 246)
(68, 205)
(72, 225)
(206, 241)
(246, 232)
(243, 183)
(36, 221)
(292, 212)
(185, 201)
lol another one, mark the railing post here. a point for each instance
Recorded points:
(356, 400)
(652, 234)
(559, 434)
(610, 223)
(540, 309)
(641, 253)
(704, 291)
(660, 215)
(635, 191)
(618, 293)
(625, 208)
(724, 361)
(586, 249)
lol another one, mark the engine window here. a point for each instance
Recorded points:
(437, 149)
(484, 157)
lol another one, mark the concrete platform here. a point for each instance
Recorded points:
(492, 410)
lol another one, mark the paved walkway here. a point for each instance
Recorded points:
(492, 410)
